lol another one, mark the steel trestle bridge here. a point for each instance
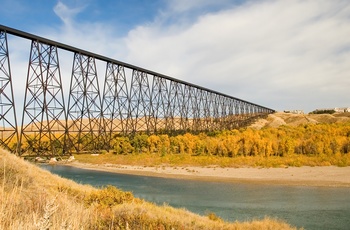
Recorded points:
(132, 100)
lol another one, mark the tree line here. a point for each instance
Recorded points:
(310, 139)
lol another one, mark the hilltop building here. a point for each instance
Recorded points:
(295, 111)
(342, 110)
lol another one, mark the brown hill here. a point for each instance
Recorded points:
(281, 118)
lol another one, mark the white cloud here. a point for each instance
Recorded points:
(295, 51)
(65, 13)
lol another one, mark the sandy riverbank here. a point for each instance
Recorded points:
(303, 176)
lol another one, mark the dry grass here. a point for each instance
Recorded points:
(32, 198)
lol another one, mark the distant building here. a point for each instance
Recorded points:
(295, 111)
(342, 110)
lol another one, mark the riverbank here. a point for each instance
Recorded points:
(302, 176)
(45, 201)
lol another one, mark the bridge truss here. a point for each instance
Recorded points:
(132, 100)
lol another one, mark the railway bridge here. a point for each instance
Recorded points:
(125, 100)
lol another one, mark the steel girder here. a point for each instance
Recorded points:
(8, 119)
(43, 121)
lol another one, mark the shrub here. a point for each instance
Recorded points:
(122, 145)
(324, 111)
(108, 197)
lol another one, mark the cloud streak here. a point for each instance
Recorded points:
(65, 13)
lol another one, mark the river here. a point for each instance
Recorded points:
(300, 206)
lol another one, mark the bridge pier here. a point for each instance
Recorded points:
(8, 126)
(84, 106)
(115, 103)
(43, 128)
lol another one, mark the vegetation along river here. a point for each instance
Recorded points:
(301, 206)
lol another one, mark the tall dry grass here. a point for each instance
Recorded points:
(32, 198)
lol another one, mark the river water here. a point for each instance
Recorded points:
(300, 206)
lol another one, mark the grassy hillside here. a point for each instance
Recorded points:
(32, 198)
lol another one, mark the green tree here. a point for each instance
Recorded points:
(140, 143)
(121, 145)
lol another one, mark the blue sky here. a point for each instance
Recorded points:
(29, 15)
(283, 54)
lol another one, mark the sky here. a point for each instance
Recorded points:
(281, 54)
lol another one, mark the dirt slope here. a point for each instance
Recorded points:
(280, 118)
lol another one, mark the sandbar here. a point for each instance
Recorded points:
(330, 176)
